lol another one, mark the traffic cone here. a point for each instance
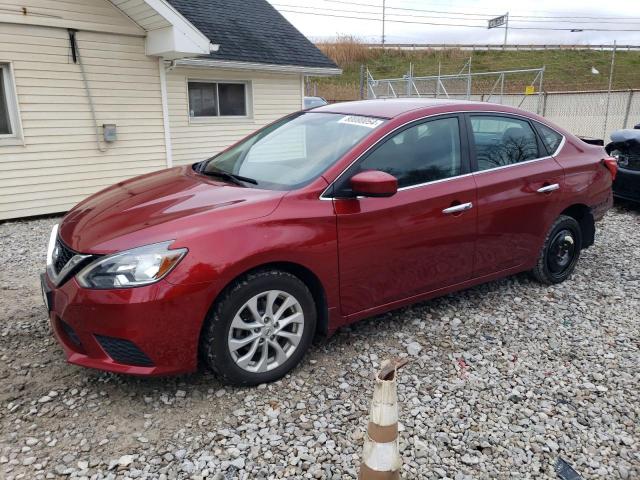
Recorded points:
(381, 454)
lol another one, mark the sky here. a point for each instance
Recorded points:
(413, 18)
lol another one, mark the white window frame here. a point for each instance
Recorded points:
(15, 137)
(248, 95)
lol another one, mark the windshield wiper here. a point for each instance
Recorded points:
(238, 179)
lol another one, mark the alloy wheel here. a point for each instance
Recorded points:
(265, 331)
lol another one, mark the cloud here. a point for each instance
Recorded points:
(320, 27)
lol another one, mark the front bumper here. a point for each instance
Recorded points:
(627, 184)
(151, 330)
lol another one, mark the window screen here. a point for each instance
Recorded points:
(5, 121)
(550, 138)
(209, 99)
(501, 141)
(232, 99)
(420, 154)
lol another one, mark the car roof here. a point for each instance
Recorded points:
(393, 107)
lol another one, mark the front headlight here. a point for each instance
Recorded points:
(131, 268)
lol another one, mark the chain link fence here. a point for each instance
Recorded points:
(490, 86)
(593, 114)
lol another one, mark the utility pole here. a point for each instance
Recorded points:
(384, 13)
(506, 30)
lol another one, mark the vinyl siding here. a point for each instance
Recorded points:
(59, 163)
(273, 96)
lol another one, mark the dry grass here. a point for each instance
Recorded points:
(346, 50)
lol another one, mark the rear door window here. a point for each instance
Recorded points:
(500, 141)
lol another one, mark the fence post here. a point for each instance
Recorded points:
(544, 103)
(628, 109)
(606, 112)
(362, 82)
(469, 81)
(409, 81)
(540, 89)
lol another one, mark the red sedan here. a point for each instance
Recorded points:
(317, 220)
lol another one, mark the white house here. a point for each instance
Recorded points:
(95, 91)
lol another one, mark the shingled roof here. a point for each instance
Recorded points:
(251, 31)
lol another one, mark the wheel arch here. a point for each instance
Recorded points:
(307, 276)
(582, 214)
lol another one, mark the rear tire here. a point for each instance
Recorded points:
(259, 329)
(560, 251)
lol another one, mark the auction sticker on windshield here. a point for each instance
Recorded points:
(368, 122)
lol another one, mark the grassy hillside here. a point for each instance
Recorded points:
(565, 69)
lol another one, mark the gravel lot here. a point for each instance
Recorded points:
(505, 378)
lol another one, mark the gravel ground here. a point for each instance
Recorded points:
(505, 379)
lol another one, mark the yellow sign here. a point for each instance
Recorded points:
(530, 90)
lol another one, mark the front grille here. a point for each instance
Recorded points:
(71, 334)
(62, 254)
(124, 351)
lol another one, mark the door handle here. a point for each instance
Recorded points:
(458, 208)
(548, 188)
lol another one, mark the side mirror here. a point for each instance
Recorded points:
(374, 183)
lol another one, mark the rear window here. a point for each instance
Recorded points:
(550, 138)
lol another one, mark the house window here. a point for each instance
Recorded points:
(5, 120)
(217, 99)
(9, 124)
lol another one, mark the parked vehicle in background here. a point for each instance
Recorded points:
(316, 221)
(313, 102)
(625, 148)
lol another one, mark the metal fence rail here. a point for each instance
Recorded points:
(495, 85)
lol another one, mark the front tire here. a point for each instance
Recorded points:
(560, 252)
(259, 329)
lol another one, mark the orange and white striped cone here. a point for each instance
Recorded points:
(381, 453)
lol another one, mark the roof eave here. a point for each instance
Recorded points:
(268, 67)
(180, 39)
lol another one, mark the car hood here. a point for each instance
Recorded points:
(170, 204)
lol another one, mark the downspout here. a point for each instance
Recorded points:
(165, 112)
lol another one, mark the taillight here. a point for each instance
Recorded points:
(612, 166)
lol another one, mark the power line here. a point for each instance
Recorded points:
(442, 16)
(458, 25)
(479, 14)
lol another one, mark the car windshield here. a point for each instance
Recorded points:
(293, 151)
